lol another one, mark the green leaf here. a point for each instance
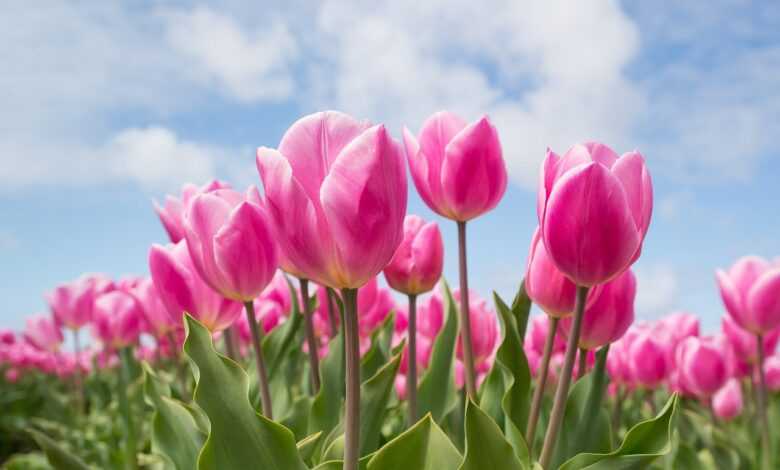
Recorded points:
(521, 309)
(486, 446)
(379, 352)
(326, 407)
(308, 445)
(175, 432)
(279, 341)
(374, 395)
(644, 442)
(58, 457)
(240, 438)
(436, 390)
(424, 446)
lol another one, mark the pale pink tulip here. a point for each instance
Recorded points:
(43, 332)
(158, 321)
(750, 293)
(171, 213)
(417, 263)
(118, 319)
(727, 402)
(71, 303)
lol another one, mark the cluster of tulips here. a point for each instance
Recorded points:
(286, 285)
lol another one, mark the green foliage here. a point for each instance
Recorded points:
(486, 446)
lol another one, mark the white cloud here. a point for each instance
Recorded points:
(657, 290)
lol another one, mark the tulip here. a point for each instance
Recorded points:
(648, 360)
(118, 318)
(702, 366)
(336, 192)
(417, 264)
(750, 293)
(727, 402)
(594, 210)
(71, 303)
(679, 325)
(171, 213)
(545, 285)
(745, 344)
(772, 373)
(7, 337)
(459, 171)
(44, 333)
(157, 320)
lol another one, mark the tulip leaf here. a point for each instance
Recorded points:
(175, 431)
(326, 406)
(308, 445)
(521, 309)
(486, 446)
(58, 457)
(436, 389)
(424, 446)
(240, 438)
(282, 338)
(374, 395)
(644, 443)
(379, 352)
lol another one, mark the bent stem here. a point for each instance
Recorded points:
(262, 376)
(562, 392)
(352, 405)
(583, 363)
(766, 445)
(465, 322)
(541, 379)
(311, 341)
(131, 462)
(411, 370)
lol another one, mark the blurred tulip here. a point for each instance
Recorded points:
(702, 367)
(727, 402)
(278, 291)
(118, 319)
(417, 263)
(545, 285)
(484, 326)
(750, 292)
(594, 210)
(171, 213)
(772, 373)
(71, 303)
(157, 319)
(336, 192)
(458, 168)
(7, 337)
(43, 332)
(648, 360)
(183, 290)
(268, 314)
(540, 325)
(745, 343)
(679, 325)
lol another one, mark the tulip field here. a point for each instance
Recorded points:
(304, 323)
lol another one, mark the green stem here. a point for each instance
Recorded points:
(411, 370)
(583, 363)
(127, 414)
(311, 341)
(332, 315)
(262, 376)
(541, 382)
(465, 323)
(80, 392)
(562, 392)
(352, 405)
(230, 343)
(766, 445)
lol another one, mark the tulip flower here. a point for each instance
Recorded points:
(44, 333)
(648, 358)
(750, 293)
(7, 337)
(772, 373)
(158, 321)
(745, 344)
(171, 213)
(594, 210)
(336, 192)
(118, 318)
(702, 366)
(727, 402)
(417, 264)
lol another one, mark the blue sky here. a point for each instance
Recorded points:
(111, 106)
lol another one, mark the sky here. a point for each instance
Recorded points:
(108, 106)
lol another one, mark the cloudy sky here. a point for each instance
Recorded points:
(109, 105)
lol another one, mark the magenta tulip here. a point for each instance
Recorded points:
(183, 290)
(772, 373)
(7, 337)
(594, 210)
(118, 319)
(43, 332)
(484, 326)
(540, 326)
(417, 263)
(745, 343)
(750, 291)
(648, 360)
(171, 213)
(545, 285)
(702, 366)
(727, 402)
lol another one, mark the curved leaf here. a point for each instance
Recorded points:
(374, 395)
(308, 445)
(327, 404)
(486, 446)
(424, 446)
(279, 341)
(58, 457)
(240, 438)
(379, 353)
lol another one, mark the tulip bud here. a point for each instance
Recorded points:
(171, 213)
(648, 360)
(118, 319)
(545, 285)
(43, 333)
(750, 293)
(417, 263)
(702, 366)
(727, 402)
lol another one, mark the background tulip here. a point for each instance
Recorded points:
(772, 373)
(118, 319)
(745, 343)
(701, 366)
(43, 333)
(417, 263)
(727, 402)
(750, 293)
(171, 213)
(648, 360)
(545, 285)
(158, 321)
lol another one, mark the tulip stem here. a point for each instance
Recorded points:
(332, 316)
(564, 381)
(80, 395)
(262, 376)
(352, 414)
(230, 344)
(650, 399)
(761, 403)
(583, 363)
(127, 414)
(541, 382)
(411, 370)
(311, 341)
(465, 318)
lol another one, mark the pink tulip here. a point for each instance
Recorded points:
(118, 319)
(648, 358)
(336, 192)
(43, 333)
(702, 366)
(374, 304)
(608, 313)
(679, 325)
(727, 402)
(750, 292)
(268, 314)
(484, 327)
(279, 291)
(540, 325)
(417, 263)
(12, 375)
(545, 285)
(157, 320)
(71, 303)
(772, 373)
(7, 337)
(744, 343)
(183, 290)
(171, 214)
(594, 210)
(458, 168)
(230, 243)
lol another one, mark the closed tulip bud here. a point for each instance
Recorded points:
(336, 193)
(772, 373)
(545, 285)
(458, 168)
(744, 343)
(417, 263)
(43, 333)
(157, 320)
(171, 213)
(594, 210)
(750, 293)
(484, 327)
(727, 402)
(702, 366)
(118, 319)
(183, 290)
(648, 360)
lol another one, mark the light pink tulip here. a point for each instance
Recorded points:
(118, 319)
(608, 313)
(594, 210)
(183, 290)
(679, 325)
(545, 285)
(702, 366)
(230, 243)
(458, 168)
(772, 373)
(43, 332)
(484, 329)
(648, 359)
(336, 192)
(745, 343)
(158, 322)
(417, 263)
(71, 303)
(750, 292)
(727, 402)
(171, 213)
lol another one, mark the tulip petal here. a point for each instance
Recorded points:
(630, 169)
(172, 281)
(731, 298)
(547, 177)
(763, 301)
